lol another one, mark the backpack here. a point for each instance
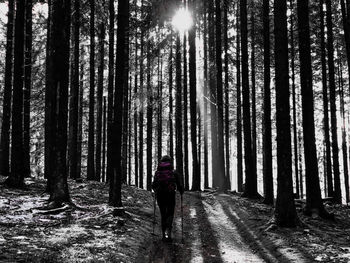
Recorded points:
(164, 178)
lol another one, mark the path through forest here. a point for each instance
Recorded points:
(217, 230)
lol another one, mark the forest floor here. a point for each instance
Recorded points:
(218, 227)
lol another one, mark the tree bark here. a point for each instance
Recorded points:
(91, 174)
(285, 211)
(149, 119)
(16, 178)
(74, 96)
(332, 97)
(185, 114)
(27, 86)
(115, 184)
(6, 109)
(267, 134)
(196, 178)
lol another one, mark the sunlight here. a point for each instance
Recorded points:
(182, 20)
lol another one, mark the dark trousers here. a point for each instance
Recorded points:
(166, 203)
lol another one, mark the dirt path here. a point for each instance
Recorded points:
(216, 230)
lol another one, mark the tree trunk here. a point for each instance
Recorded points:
(328, 160)
(220, 171)
(332, 97)
(91, 174)
(250, 171)
(314, 202)
(122, 24)
(104, 139)
(178, 109)
(136, 159)
(160, 107)
(171, 109)
(196, 178)
(80, 120)
(27, 87)
(239, 111)
(212, 92)
(16, 178)
(185, 115)
(110, 91)
(6, 109)
(141, 102)
(149, 118)
(99, 102)
(227, 99)
(58, 84)
(74, 96)
(344, 136)
(267, 134)
(285, 212)
(345, 11)
(253, 72)
(295, 124)
(205, 97)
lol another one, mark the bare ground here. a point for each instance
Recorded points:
(217, 228)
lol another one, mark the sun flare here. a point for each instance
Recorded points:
(182, 20)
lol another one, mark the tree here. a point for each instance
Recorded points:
(267, 134)
(196, 178)
(220, 172)
(6, 109)
(345, 11)
(239, 111)
(314, 202)
(285, 212)
(116, 179)
(332, 97)
(328, 159)
(110, 90)
(171, 108)
(16, 178)
(149, 118)
(74, 96)
(250, 170)
(58, 80)
(99, 100)
(91, 135)
(27, 86)
(185, 112)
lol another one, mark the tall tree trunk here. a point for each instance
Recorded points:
(110, 91)
(126, 109)
(185, 114)
(58, 84)
(160, 106)
(253, 72)
(250, 171)
(141, 102)
(220, 172)
(171, 109)
(149, 118)
(178, 109)
(332, 97)
(314, 202)
(205, 97)
(344, 136)
(99, 102)
(16, 178)
(227, 98)
(295, 124)
(328, 160)
(136, 158)
(6, 109)
(74, 96)
(122, 24)
(27, 86)
(239, 111)
(267, 134)
(80, 120)
(285, 211)
(91, 174)
(212, 92)
(104, 139)
(196, 178)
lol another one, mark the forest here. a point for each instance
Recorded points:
(249, 99)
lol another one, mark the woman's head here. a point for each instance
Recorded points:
(166, 158)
